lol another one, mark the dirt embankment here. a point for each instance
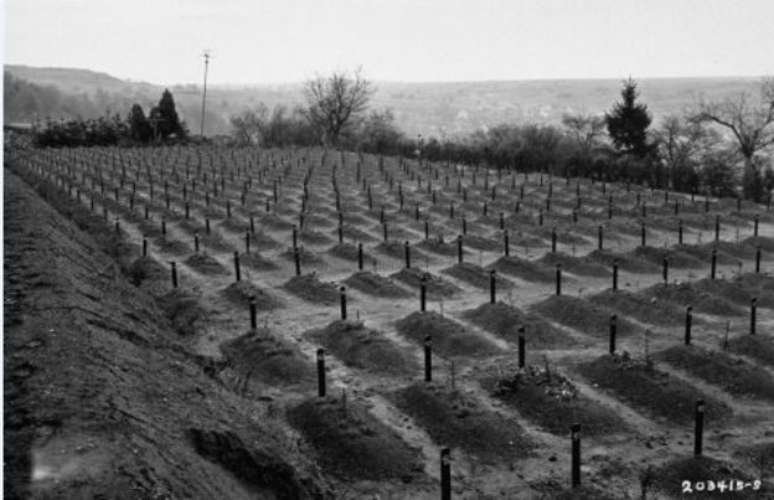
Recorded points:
(101, 398)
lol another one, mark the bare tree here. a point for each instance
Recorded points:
(681, 144)
(333, 102)
(752, 124)
(249, 126)
(585, 129)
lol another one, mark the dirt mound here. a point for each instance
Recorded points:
(704, 254)
(317, 220)
(435, 245)
(454, 419)
(306, 257)
(676, 258)
(765, 242)
(449, 337)
(670, 476)
(582, 315)
(348, 251)
(437, 287)
(687, 294)
(363, 348)
(260, 355)
(235, 225)
(174, 247)
(206, 264)
(396, 250)
(658, 310)
(476, 276)
(263, 241)
(214, 241)
(354, 234)
(575, 265)
(552, 401)
(504, 320)
(258, 470)
(350, 443)
(740, 290)
(184, 311)
(147, 269)
(649, 389)
(626, 262)
(240, 293)
(311, 237)
(376, 285)
(256, 261)
(755, 346)
(524, 269)
(275, 222)
(311, 289)
(481, 243)
(718, 368)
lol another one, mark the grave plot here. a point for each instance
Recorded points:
(455, 419)
(448, 337)
(363, 348)
(243, 293)
(583, 315)
(649, 390)
(350, 443)
(206, 264)
(184, 310)
(262, 356)
(376, 285)
(656, 310)
(689, 294)
(757, 347)
(575, 265)
(675, 257)
(524, 269)
(477, 276)
(506, 321)
(550, 400)
(718, 368)
(311, 289)
(624, 261)
(437, 287)
(740, 290)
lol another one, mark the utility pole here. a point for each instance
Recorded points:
(206, 56)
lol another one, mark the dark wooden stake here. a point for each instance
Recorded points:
(253, 314)
(698, 428)
(613, 327)
(492, 287)
(558, 279)
(174, 274)
(522, 347)
(753, 307)
(321, 373)
(688, 321)
(237, 270)
(343, 295)
(576, 454)
(428, 359)
(445, 474)
(459, 249)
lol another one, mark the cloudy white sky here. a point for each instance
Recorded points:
(161, 41)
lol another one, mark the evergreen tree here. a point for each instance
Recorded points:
(169, 121)
(628, 122)
(139, 127)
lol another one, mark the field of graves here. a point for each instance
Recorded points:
(397, 325)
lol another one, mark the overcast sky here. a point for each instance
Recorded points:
(161, 41)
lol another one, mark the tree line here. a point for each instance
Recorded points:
(722, 148)
(161, 125)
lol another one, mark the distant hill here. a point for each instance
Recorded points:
(432, 109)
